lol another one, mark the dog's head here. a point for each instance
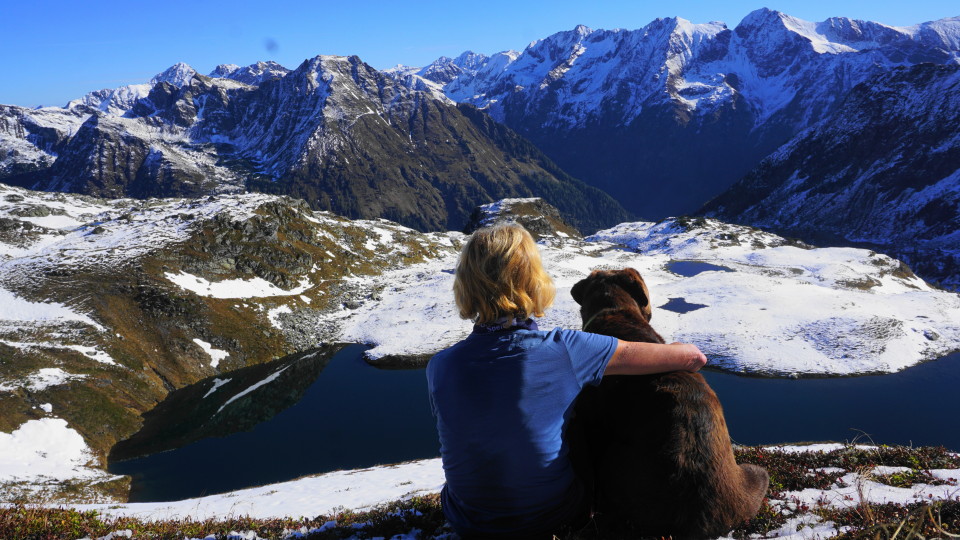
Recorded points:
(604, 289)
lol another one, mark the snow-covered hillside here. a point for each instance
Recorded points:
(761, 305)
(108, 305)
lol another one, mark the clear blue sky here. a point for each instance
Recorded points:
(56, 50)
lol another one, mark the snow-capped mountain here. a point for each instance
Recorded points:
(254, 74)
(334, 132)
(119, 100)
(444, 70)
(667, 116)
(882, 169)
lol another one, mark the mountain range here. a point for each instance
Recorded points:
(669, 119)
(334, 132)
(668, 116)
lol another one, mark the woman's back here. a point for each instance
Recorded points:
(502, 400)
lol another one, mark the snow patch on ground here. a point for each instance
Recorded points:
(16, 308)
(216, 355)
(233, 288)
(309, 496)
(274, 315)
(858, 487)
(46, 450)
(41, 380)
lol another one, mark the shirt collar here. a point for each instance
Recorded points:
(505, 325)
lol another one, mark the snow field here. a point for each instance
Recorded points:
(783, 310)
(46, 450)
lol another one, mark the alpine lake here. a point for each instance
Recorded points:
(328, 409)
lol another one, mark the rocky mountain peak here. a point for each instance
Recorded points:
(470, 60)
(223, 70)
(773, 41)
(441, 70)
(254, 74)
(444, 69)
(557, 47)
(178, 74)
(762, 17)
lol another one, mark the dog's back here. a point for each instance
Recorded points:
(663, 461)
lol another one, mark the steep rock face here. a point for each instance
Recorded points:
(668, 116)
(31, 139)
(883, 169)
(334, 132)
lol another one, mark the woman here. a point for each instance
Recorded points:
(504, 396)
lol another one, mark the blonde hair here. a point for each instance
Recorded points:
(500, 275)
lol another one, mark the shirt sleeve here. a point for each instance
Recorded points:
(589, 354)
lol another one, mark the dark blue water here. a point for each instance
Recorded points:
(917, 406)
(680, 305)
(354, 415)
(692, 268)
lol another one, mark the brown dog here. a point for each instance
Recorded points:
(661, 456)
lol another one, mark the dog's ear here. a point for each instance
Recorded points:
(631, 281)
(579, 289)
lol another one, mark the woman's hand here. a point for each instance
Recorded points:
(634, 358)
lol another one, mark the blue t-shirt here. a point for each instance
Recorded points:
(502, 401)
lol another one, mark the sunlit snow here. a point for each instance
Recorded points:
(783, 310)
(216, 355)
(46, 449)
(233, 288)
(41, 380)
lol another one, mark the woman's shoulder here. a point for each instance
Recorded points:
(578, 339)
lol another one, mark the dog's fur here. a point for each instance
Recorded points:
(662, 459)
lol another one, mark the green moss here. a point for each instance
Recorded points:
(14, 411)
(90, 407)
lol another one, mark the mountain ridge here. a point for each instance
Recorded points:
(620, 108)
(334, 131)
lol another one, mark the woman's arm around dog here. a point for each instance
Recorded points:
(637, 358)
